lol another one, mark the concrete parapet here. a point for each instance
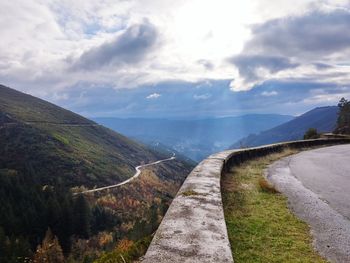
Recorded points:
(193, 229)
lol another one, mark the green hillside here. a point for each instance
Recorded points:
(37, 135)
(45, 151)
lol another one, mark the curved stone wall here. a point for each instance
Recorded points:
(193, 229)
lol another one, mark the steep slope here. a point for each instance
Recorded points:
(44, 152)
(323, 119)
(194, 138)
(60, 145)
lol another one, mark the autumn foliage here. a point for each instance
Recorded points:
(49, 251)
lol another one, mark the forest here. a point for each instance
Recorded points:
(28, 210)
(53, 221)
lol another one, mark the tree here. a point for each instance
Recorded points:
(64, 231)
(3, 250)
(49, 251)
(103, 219)
(82, 217)
(311, 134)
(342, 103)
(20, 249)
(14, 249)
(343, 122)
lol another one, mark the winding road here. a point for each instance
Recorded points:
(317, 184)
(137, 173)
(137, 168)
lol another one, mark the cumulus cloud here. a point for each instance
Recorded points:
(314, 34)
(153, 96)
(130, 47)
(108, 43)
(252, 68)
(305, 46)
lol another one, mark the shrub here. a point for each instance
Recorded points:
(311, 134)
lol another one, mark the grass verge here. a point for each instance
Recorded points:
(260, 226)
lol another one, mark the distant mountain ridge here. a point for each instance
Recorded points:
(195, 138)
(322, 118)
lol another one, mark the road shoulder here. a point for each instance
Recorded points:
(330, 230)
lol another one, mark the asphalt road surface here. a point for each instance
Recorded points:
(326, 172)
(317, 184)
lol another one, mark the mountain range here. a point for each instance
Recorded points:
(323, 119)
(194, 138)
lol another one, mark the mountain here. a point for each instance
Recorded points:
(195, 138)
(323, 119)
(46, 154)
(40, 136)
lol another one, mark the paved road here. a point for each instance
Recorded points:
(317, 184)
(326, 172)
(137, 173)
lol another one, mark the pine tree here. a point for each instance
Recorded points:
(49, 251)
(20, 249)
(64, 231)
(343, 122)
(82, 217)
(3, 251)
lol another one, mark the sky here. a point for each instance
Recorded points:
(181, 59)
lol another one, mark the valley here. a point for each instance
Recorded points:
(193, 138)
(99, 194)
(47, 154)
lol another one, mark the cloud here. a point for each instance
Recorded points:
(252, 68)
(322, 66)
(109, 44)
(153, 96)
(249, 65)
(306, 46)
(204, 84)
(206, 64)
(292, 98)
(131, 47)
(269, 93)
(316, 33)
(324, 96)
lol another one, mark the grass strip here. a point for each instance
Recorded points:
(260, 226)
